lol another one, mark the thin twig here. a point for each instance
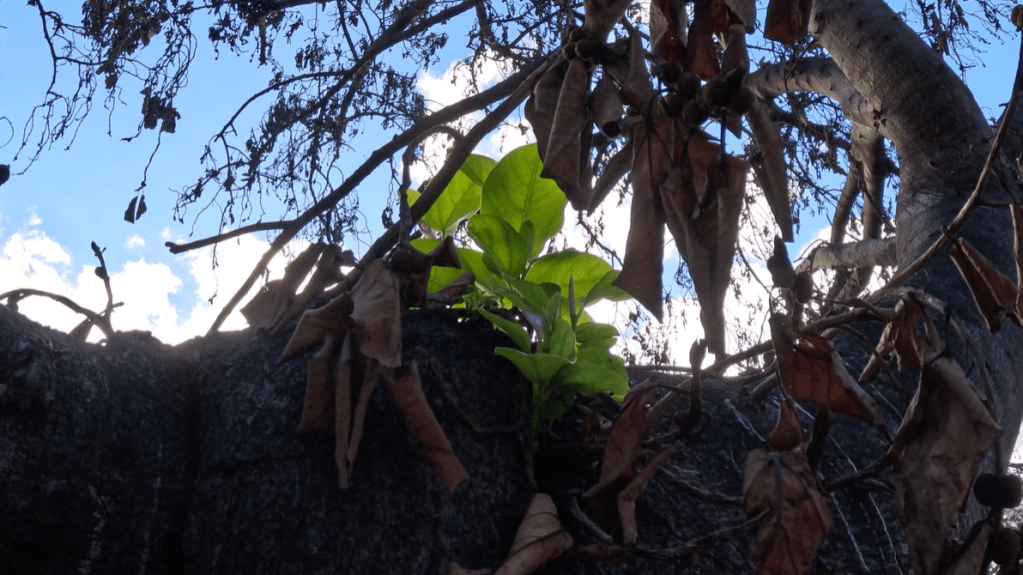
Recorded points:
(257, 227)
(96, 318)
(705, 543)
(450, 113)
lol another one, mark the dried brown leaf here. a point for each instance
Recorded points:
(745, 11)
(539, 539)
(263, 307)
(900, 336)
(457, 286)
(316, 324)
(812, 370)
(991, 289)
(782, 273)
(644, 248)
(377, 314)
(602, 15)
(606, 552)
(328, 272)
(769, 166)
(943, 439)
(543, 101)
(621, 453)
(799, 518)
(628, 496)
(735, 56)
(283, 292)
(456, 569)
(701, 51)
(615, 170)
(606, 106)
(788, 433)
(705, 226)
(562, 161)
(1017, 250)
(668, 20)
(637, 91)
(343, 398)
(787, 20)
(321, 383)
(365, 374)
(407, 394)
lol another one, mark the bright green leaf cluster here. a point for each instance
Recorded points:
(561, 350)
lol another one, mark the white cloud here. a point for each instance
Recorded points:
(34, 260)
(136, 241)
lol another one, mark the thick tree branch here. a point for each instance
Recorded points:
(861, 254)
(819, 75)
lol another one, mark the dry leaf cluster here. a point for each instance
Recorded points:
(681, 177)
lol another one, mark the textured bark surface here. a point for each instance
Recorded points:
(161, 460)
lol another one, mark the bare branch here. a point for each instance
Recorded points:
(864, 253)
(819, 75)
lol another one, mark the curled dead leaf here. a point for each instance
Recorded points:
(315, 325)
(602, 15)
(944, 437)
(812, 370)
(628, 496)
(377, 314)
(788, 434)
(769, 166)
(799, 518)
(407, 394)
(991, 289)
(539, 539)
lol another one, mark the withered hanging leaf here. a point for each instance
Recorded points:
(644, 248)
(129, 214)
(787, 435)
(316, 324)
(562, 161)
(668, 21)
(602, 15)
(1017, 248)
(778, 264)
(377, 314)
(141, 207)
(970, 561)
(702, 206)
(321, 383)
(701, 51)
(621, 452)
(799, 518)
(812, 370)
(735, 56)
(605, 104)
(81, 331)
(539, 539)
(276, 298)
(787, 20)
(899, 335)
(943, 439)
(328, 272)
(616, 169)
(543, 101)
(457, 286)
(991, 289)
(769, 166)
(456, 569)
(745, 11)
(356, 377)
(407, 394)
(637, 91)
(628, 496)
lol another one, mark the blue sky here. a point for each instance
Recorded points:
(69, 198)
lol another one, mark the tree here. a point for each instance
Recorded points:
(654, 83)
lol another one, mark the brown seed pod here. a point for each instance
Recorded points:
(1017, 17)
(715, 93)
(741, 101)
(689, 84)
(996, 490)
(802, 288)
(673, 103)
(568, 51)
(1004, 546)
(576, 34)
(695, 112)
(670, 72)
(587, 49)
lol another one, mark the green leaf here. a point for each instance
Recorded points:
(460, 199)
(604, 290)
(562, 339)
(590, 378)
(515, 192)
(528, 233)
(515, 330)
(497, 237)
(592, 331)
(587, 271)
(540, 368)
(477, 168)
